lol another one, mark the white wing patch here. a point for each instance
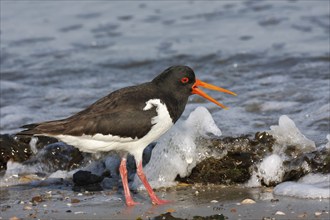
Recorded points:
(163, 120)
(162, 113)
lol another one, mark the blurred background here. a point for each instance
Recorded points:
(58, 57)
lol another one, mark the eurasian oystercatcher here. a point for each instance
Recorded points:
(129, 119)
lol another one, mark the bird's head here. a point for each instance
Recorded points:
(181, 80)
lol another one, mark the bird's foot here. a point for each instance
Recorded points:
(157, 201)
(130, 202)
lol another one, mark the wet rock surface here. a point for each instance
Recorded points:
(86, 181)
(318, 162)
(47, 151)
(236, 166)
(18, 149)
(233, 168)
(58, 156)
(12, 149)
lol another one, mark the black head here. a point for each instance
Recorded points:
(180, 82)
(176, 79)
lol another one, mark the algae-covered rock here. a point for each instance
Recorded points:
(18, 148)
(58, 156)
(237, 160)
(47, 151)
(233, 168)
(236, 164)
(12, 148)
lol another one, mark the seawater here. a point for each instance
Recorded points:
(59, 57)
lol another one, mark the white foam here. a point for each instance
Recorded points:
(314, 178)
(270, 170)
(14, 171)
(311, 186)
(18, 173)
(15, 168)
(33, 145)
(286, 133)
(274, 105)
(62, 174)
(327, 145)
(176, 152)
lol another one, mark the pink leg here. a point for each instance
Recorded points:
(123, 174)
(155, 200)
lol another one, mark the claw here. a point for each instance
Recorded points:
(157, 201)
(131, 203)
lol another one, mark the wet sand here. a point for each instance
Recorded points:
(58, 202)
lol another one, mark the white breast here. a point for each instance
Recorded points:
(103, 143)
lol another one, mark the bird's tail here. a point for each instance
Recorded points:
(44, 128)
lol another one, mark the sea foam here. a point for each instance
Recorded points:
(311, 186)
(286, 133)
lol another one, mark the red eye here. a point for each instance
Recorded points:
(184, 80)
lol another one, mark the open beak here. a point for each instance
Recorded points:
(196, 90)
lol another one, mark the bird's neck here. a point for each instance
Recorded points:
(175, 105)
(174, 101)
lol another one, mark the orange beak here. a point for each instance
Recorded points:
(196, 90)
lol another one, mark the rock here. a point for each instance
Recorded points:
(37, 199)
(303, 215)
(86, 181)
(74, 200)
(55, 155)
(217, 171)
(248, 201)
(79, 212)
(27, 207)
(59, 156)
(41, 142)
(317, 161)
(318, 213)
(279, 213)
(4, 207)
(236, 165)
(12, 148)
(83, 178)
(170, 210)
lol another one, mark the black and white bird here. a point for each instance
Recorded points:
(129, 119)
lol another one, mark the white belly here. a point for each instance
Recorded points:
(104, 143)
